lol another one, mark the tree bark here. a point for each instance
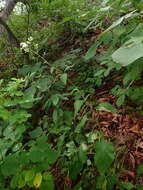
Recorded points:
(4, 16)
(11, 35)
(9, 6)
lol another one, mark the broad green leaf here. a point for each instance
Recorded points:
(10, 166)
(29, 175)
(31, 91)
(63, 78)
(106, 106)
(42, 152)
(51, 156)
(36, 132)
(36, 156)
(77, 165)
(44, 84)
(104, 156)
(92, 51)
(48, 177)
(55, 99)
(37, 180)
(129, 52)
(77, 106)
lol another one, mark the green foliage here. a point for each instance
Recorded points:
(46, 105)
(105, 106)
(104, 156)
(130, 52)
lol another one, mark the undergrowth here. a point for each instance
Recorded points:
(85, 61)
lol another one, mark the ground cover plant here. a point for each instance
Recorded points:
(71, 95)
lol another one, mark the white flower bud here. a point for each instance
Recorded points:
(30, 38)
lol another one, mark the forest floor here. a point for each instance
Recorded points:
(124, 129)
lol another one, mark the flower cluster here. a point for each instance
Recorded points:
(25, 45)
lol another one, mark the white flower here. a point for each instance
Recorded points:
(23, 45)
(30, 38)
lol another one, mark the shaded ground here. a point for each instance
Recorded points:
(124, 129)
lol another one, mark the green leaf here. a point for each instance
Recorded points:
(14, 182)
(119, 21)
(10, 166)
(21, 182)
(51, 156)
(36, 156)
(127, 185)
(55, 99)
(129, 52)
(30, 183)
(37, 180)
(55, 116)
(29, 175)
(77, 106)
(81, 124)
(36, 132)
(106, 106)
(92, 50)
(104, 156)
(42, 152)
(140, 170)
(134, 72)
(4, 114)
(138, 4)
(30, 92)
(82, 153)
(63, 78)
(48, 177)
(77, 165)
(121, 100)
(101, 182)
(44, 84)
